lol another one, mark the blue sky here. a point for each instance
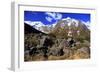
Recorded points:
(52, 17)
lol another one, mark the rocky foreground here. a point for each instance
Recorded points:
(38, 48)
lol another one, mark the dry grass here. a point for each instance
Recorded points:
(57, 57)
(80, 55)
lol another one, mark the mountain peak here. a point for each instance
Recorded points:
(63, 23)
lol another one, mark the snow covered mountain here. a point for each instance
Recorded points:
(73, 22)
(71, 27)
(40, 26)
(65, 22)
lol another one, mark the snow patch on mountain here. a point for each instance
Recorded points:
(87, 24)
(70, 21)
(37, 24)
(40, 26)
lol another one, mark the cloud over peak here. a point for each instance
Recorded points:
(53, 15)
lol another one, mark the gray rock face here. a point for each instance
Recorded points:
(84, 50)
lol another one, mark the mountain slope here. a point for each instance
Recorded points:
(64, 27)
(71, 28)
(30, 29)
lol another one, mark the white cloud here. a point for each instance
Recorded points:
(49, 19)
(58, 16)
(51, 14)
(55, 16)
